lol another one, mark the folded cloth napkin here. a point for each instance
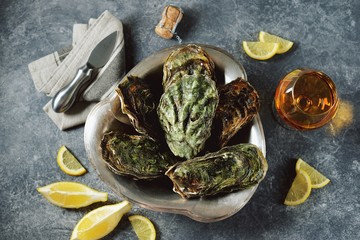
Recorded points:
(56, 70)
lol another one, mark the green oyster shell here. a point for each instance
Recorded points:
(232, 168)
(238, 104)
(186, 111)
(135, 155)
(138, 103)
(187, 61)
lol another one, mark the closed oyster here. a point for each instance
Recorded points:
(186, 111)
(138, 103)
(187, 61)
(232, 168)
(238, 105)
(135, 155)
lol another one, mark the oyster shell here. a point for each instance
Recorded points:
(238, 105)
(135, 155)
(138, 103)
(186, 111)
(187, 61)
(232, 168)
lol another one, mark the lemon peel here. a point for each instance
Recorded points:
(300, 189)
(71, 194)
(68, 163)
(284, 44)
(260, 50)
(143, 227)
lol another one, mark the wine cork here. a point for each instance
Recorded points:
(171, 16)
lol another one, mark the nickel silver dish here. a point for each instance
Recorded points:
(158, 195)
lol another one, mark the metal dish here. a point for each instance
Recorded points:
(158, 195)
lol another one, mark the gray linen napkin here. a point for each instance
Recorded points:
(56, 70)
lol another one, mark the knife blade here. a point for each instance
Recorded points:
(100, 55)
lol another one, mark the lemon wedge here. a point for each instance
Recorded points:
(318, 180)
(260, 50)
(68, 163)
(143, 227)
(100, 221)
(284, 45)
(300, 189)
(71, 194)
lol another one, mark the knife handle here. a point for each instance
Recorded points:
(65, 98)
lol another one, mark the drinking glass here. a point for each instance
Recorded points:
(306, 99)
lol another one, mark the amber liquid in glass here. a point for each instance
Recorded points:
(306, 99)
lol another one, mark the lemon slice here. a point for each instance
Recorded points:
(285, 45)
(300, 189)
(260, 50)
(100, 222)
(68, 163)
(318, 180)
(71, 194)
(143, 227)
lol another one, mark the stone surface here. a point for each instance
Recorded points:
(326, 36)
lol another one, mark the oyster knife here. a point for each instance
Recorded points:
(100, 55)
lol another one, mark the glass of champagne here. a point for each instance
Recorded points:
(306, 99)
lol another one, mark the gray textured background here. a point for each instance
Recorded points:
(326, 36)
